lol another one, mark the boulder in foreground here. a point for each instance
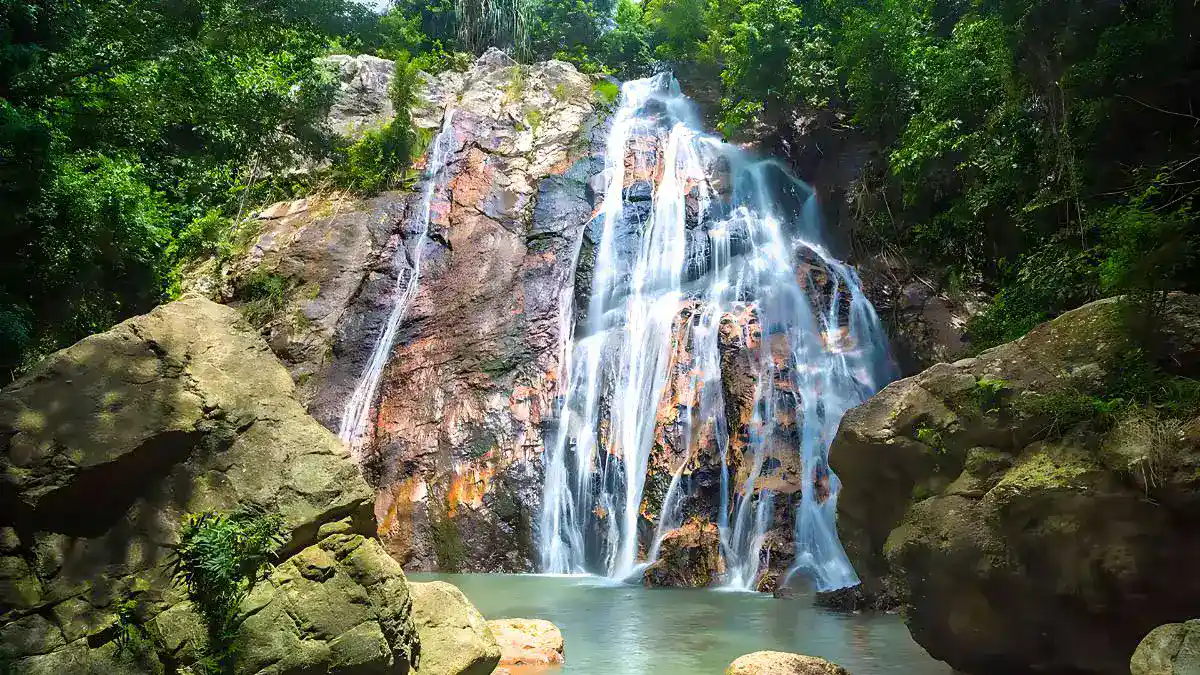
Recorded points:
(455, 638)
(1022, 527)
(104, 447)
(782, 663)
(1171, 649)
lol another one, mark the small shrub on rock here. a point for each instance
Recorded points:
(218, 560)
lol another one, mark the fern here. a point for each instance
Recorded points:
(218, 560)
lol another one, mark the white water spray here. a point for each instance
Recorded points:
(355, 424)
(693, 232)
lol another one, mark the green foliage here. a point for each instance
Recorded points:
(989, 394)
(566, 29)
(508, 24)
(533, 119)
(606, 91)
(204, 236)
(514, 88)
(121, 124)
(264, 295)
(772, 55)
(1148, 252)
(218, 560)
(930, 436)
(127, 626)
(626, 47)
(380, 158)
(1135, 386)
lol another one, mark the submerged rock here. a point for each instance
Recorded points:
(1014, 539)
(527, 642)
(1173, 649)
(455, 638)
(782, 663)
(690, 557)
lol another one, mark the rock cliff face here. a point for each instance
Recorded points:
(108, 443)
(505, 239)
(1018, 535)
(472, 375)
(455, 433)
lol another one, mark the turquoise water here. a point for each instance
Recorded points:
(628, 630)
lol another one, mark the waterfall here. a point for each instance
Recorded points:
(354, 428)
(699, 246)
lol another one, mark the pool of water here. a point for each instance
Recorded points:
(628, 630)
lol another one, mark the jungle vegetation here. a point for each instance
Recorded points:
(1046, 151)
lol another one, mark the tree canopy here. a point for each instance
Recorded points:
(1045, 150)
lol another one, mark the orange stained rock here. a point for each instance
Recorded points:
(781, 351)
(562, 166)
(468, 485)
(473, 184)
(838, 340)
(527, 642)
(396, 504)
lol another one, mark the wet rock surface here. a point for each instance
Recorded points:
(782, 663)
(528, 642)
(1015, 542)
(690, 557)
(456, 445)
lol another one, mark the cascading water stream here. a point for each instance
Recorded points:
(699, 244)
(355, 425)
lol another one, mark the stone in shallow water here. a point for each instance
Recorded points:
(782, 663)
(690, 557)
(527, 641)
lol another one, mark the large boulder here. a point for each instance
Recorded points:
(339, 606)
(1173, 649)
(108, 443)
(527, 642)
(782, 663)
(1016, 534)
(455, 638)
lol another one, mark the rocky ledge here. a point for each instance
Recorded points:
(1018, 532)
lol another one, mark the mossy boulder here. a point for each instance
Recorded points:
(339, 606)
(108, 443)
(1014, 540)
(1173, 649)
(689, 557)
(455, 638)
